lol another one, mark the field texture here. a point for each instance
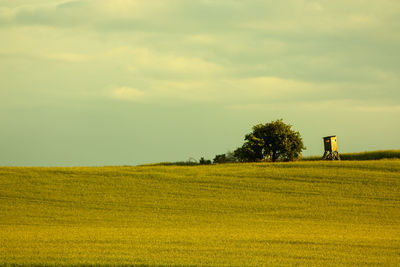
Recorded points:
(285, 214)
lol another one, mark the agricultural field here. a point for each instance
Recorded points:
(307, 213)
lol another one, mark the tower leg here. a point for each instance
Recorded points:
(337, 157)
(328, 155)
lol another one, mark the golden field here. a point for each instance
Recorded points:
(255, 214)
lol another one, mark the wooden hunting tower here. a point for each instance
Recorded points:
(330, 145)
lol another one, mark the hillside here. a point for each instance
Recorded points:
(304, 213)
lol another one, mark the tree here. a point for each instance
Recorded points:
(203, 161)
(271, 141)
(228, 157)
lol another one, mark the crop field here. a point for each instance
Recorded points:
(307, 213)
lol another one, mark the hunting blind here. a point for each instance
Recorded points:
(331, 148)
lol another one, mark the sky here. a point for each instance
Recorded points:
(127, 82)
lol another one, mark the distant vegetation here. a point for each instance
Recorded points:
(190, 162)
(229, 157)
(368, 155)
(371, 155)
(251, 214)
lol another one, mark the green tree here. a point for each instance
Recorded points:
(271, 141)
(228, 157)
(203, 161)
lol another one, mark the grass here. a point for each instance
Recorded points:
(284, 214)
(368, 155)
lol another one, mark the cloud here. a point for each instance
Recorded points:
(204, 39)
(272, 86)
(219, 90)
(189, 90)
(145, 60)
(94, 13)
(203, 17)
(226, 51)
(127, 93)
(167, 91)
(68, 57)
(53, 14)
(342, 105)
(378, 108)
(6, 14)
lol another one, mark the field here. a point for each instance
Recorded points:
(306, 213)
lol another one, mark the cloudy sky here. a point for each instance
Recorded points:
(96, 82)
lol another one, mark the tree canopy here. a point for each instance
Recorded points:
(271, 141)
